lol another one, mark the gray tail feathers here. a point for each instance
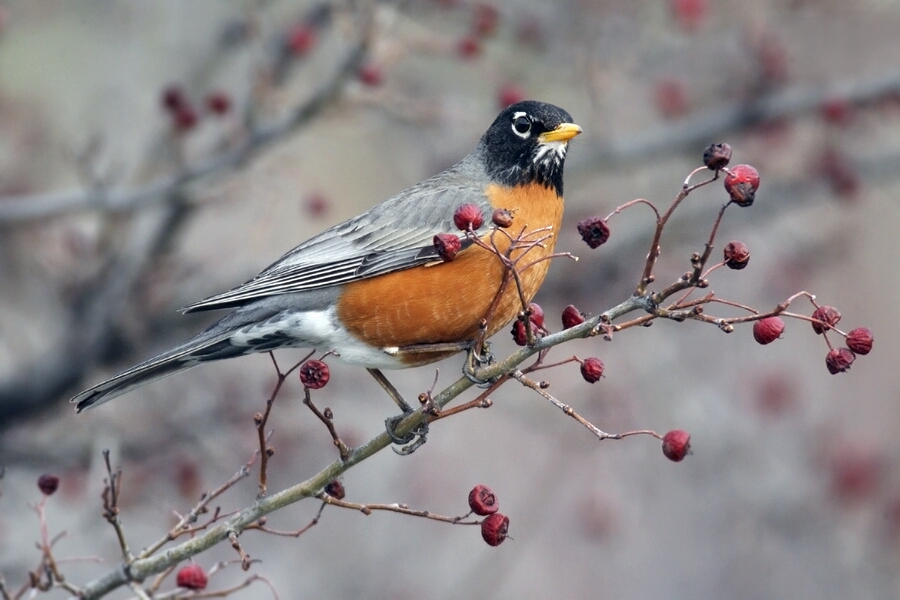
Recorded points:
(213, 344)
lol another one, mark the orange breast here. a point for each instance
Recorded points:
(446, 301)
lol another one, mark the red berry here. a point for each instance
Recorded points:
(485, 19)
(716, 156)
(860, 340)
(495, 529)
(825, 317)
(314, 374)
(537, 315)
(671, 98)
(316, 204)
(371, 75)
(766, 331)
(689, 13)
(519, 335)
(594, 231)
(741, 183)
(509, 94)
(218, 103)
(48, 484)
(837, 110)
(592, 369)
(185, 118)
(483, 501)
(447, 246)
(737, 255)
(676, 445)
(192, 577)
(301, 39)
(502, 218)
(839, 360)
(335, 489)
(173, 98)
(571, 317)
(468, 215)
(469, 47)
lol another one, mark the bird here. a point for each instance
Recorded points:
(375, 290)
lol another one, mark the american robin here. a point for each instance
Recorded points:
(374, 289)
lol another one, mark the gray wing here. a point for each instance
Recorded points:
(394, 235)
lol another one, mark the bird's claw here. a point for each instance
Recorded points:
(478, 361)
(409, 442)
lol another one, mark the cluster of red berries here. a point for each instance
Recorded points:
(859, 341)
(184, 114)
(495, 527)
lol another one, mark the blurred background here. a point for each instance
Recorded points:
(155, 153)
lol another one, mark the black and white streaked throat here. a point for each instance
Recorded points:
(527, 144)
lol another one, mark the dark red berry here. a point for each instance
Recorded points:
(218, 103)
(48, 484)
(676, 445)
(766, 331)
(741, 183)
(468, 216)
(509, 94)
(860, 340)
(537, 315)
(173, 97)
(192, 577)
(825, 317)
(495, 529)
(484, 19)
(502, 218)
(594, 231)
(837, 110)
(483, 501)
(671, 100)
(185, 118)
(737, 255)
(716, 156)
(447, 246)
(314, 374)
(301, 39)
(519, 335)
(469, 47)
(335, 489)
(839, 360)
(592, 369)
(371, 75)
(571, 317)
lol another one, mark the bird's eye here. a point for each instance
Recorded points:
(521, 125)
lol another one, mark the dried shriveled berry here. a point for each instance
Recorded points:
(592, 369)
(594, 231)
(447, 246)
(860, 340)
(48, 484)
(766, 331)
(495, 529)
(825, 317)
(192, 577)
(737, 255)
(716, 156)
(483, 501)
(741, 183)
(314, 374)
(468, 215)
(571, 317)
(676, 444)
(839, 360)
(520, 337)
(502, 217)
(335, 489)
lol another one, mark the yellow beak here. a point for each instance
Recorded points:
(563, 133)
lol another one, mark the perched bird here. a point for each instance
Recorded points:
(374, 289)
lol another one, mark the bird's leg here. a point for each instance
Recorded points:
(415, 438)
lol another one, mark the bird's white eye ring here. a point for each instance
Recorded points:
(521, 125)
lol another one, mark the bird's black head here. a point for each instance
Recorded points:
(527, 144)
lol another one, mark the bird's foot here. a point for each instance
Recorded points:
(475, 362)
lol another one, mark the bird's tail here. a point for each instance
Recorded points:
(213, 344)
